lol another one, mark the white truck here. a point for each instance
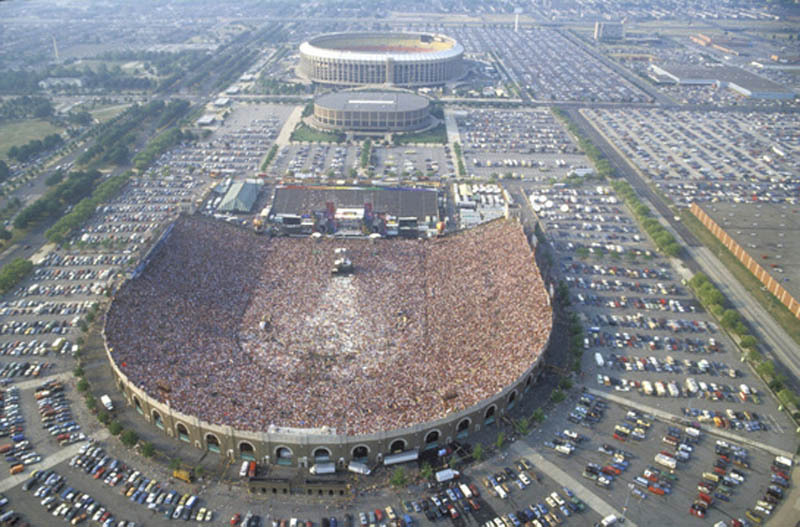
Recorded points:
(359, 468)
(647, 387)
(666, 461)
(319, 469)
(106, 400)
(598, 358)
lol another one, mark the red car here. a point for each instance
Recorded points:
(379, 515)
(236, 518)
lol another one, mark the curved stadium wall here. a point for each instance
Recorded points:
(395, 59)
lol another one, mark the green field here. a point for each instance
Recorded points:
(104, 113)
(18, 133)
(305, 134)
(434, 135)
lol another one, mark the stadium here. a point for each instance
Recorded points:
(395, 59)
(273, 349)
(371, 111)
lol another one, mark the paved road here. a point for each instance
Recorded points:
(521, 449)
(671, 418)
(50, 461)
(289, 126)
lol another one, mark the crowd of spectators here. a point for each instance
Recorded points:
(249, 332)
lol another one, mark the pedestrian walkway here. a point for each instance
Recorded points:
(38, 381)
(671, 418)
(453, 135)
(289, 126)
(50, 461)
(520, 449)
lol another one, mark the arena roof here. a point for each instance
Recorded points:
(400, 202)
(372, 101)
(250, 332)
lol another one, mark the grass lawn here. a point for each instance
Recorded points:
(782, 316)
(104, 113)
(434, 135)
(306, 134)
(16, 133)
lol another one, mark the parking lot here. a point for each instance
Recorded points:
(549, 65)
(732, 157)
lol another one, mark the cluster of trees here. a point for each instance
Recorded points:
(52, 204)
(277, 87)
(366, 152)
(270, 156)
(13, 273)
(34, 147)
(120, 132)
(19, 81)
(4, 171)
(158, 145)
(173, 110)
(106, 190)
(462, 170)
(25, 107)
(129, 438)
(663, 239)
(601, 164)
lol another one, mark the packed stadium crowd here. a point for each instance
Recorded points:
(250, 332)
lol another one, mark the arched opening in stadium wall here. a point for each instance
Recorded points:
(360, 453)
(157, 420)
(212, 443)
(246, 451)
(183, 433)
(322, 455)
(284, 456)
(432, 439)
(397, 446)
(488, 417)
(462, 430)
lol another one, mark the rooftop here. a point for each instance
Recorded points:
(770, 233)
(372, 101)
(400, 202)
(730, 74)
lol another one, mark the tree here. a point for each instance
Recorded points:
(399, 478)
(4, 171)
(83, 385)
(78, 371)
(557, 396)
(477, 452)
(766, 369)
(174, 463)
(522, 426)
(147, 449)
(754, 357)
(566, 383)
(426, 471)
(729, 318)
(748, 342)
(538, 415)
(501, 439)
(129, 438)
(104, 417)
(115, 428)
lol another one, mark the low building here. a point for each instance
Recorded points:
(736, 79)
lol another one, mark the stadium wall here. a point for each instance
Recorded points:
(265, 446)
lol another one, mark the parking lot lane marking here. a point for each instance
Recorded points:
(775, 423)
(667, 417)
(50, 461)
(38, 381)
(595, 502)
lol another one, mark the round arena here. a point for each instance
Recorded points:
(396, 59)
(371, 111)
(254, 348)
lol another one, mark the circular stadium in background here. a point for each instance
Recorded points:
(393, 59)
(271, 356)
